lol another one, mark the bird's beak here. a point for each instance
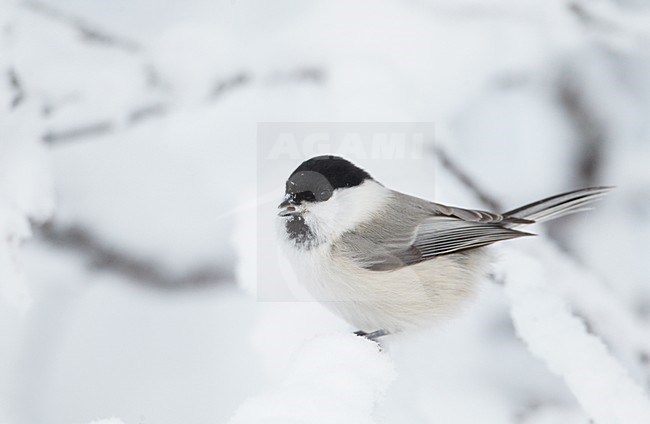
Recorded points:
(288, 208)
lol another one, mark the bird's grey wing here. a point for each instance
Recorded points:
(428, 230)
(473, 215)
(436, 237)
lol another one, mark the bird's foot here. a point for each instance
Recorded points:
(372, 336)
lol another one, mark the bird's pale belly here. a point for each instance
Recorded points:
(409, 297)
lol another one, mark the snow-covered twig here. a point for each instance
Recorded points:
(25, 194)
(89, 32)
(606, 315)
(590, 131)
(236, 81)
(610, 19)
(542, 319)
(458, 172)
(17, 88)
(161, 109)
(25, 188)
(101, 256)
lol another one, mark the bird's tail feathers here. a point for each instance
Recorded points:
(560, 205)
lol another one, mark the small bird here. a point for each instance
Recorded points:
(387, 262)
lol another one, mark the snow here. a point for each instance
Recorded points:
(108, 421)
(337, 378)
(112, 348)
(543, 320)
(151, 119)
(25, 186)
(25, 194)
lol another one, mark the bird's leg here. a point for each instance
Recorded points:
(372, 336)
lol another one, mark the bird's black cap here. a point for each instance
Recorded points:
(322, 175)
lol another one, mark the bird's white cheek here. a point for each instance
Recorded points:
(345, 210)
(326, 220)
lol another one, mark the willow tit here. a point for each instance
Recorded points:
(385, 261)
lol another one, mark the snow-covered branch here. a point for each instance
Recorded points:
(609, 19)
(454, 168)
(25, 194)
(101, 256)
(25, 187)
(89, 32)
(332, 379)
(597, 304)
(543, 320)
(16, 87)
(159, 109)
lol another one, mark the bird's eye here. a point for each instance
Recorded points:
(309, 196)
(304, 196)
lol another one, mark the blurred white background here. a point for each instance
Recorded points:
(128, 138)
